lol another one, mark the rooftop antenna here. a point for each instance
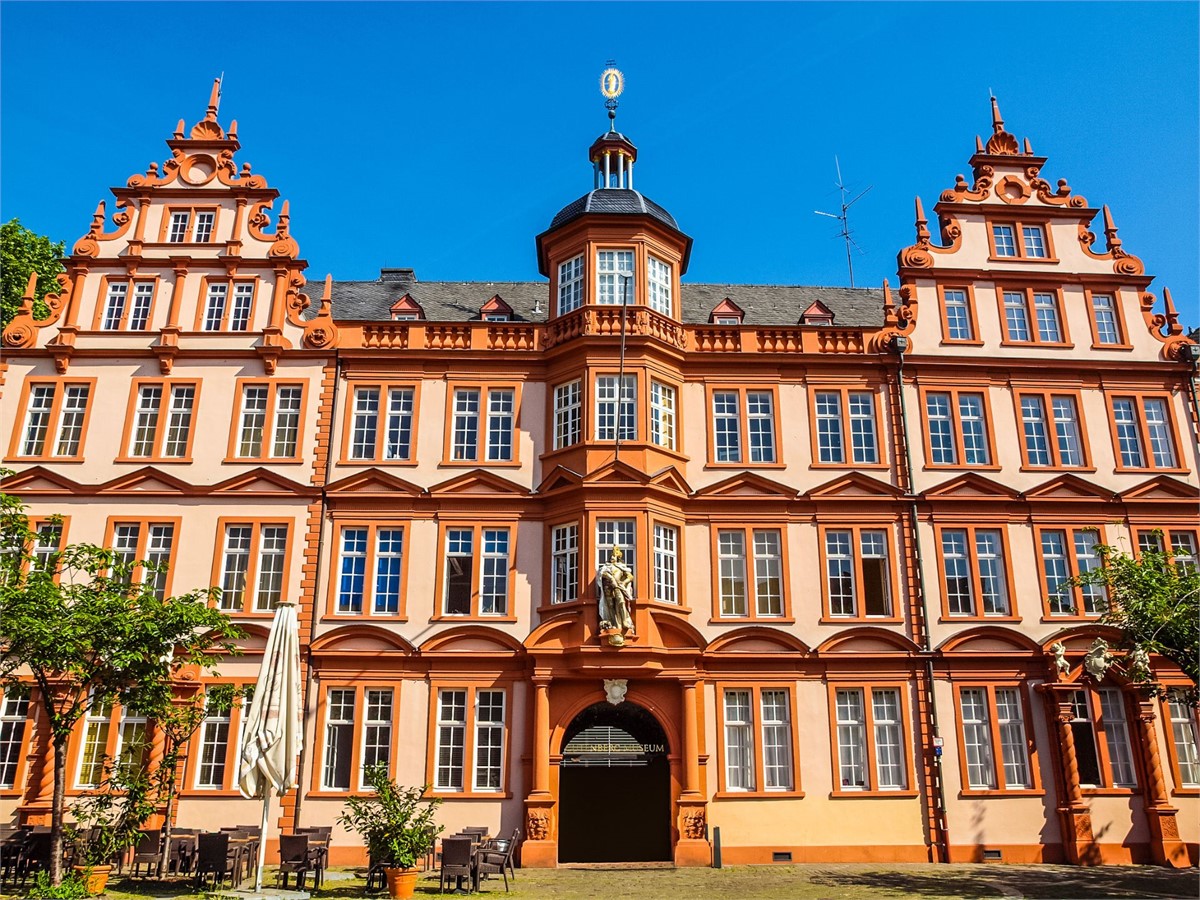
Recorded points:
(844, 219)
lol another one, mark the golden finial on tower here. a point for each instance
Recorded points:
(612, 85)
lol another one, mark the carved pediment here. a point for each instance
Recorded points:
(747, 485)
(1162, 487)
(1068, 487)
(372, 483)
(260, 482)
(559, 478)
(855, 486)
(970, 487)
(149, 481)
(671, 479)
(39, 480)
(478, 482)
(616, 472)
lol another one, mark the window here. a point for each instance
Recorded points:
(662, 415)
(103, 745)
(738, 412)
(1106, 321)
(750, 585)
(254, 555)
(614, 277)
(992, 718)
(616, 420)
(498, 425)
(1034, 240)
(56, 414)
(14, 708)
(190, 225)
(618, 533)
(659, 283)
(48, 542)
(857, 577)
(1067, 554)
(1185, 758)
(568, 414)
(974, 572)
(223, 313)
(161, 427)
(1052, 431)
(151, 542)
(1043, 327)
(1183, 546)
(956, 429)
(339, 739)
(727, 320)
(764, 713)
(1101, 733)
(570, 285)
(268, 423)
(377, 733)
(1012, 240)
(381, 424)
(564, 563)
(119, 313)
(869, 739)
(477, 714)
(349, 749)
(666, 563)
(846, 427)
(217, 735)
(464, 593)
(1003, 240)
(370, 567)
(1144, 433)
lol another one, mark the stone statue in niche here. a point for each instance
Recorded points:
(614, 586)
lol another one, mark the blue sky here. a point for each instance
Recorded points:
(445, 136)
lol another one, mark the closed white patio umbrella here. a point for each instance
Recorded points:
(272, 736)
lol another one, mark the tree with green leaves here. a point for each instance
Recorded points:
(85, 626)
(1154, 600)
(22, 252)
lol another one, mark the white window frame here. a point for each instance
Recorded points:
(658, 282)
(666, 563)
(568, 414)
(564, 562)
(662, 414)
(570, 285)
(622, 411)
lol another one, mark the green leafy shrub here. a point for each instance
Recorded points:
(396, 822)
(73, 887)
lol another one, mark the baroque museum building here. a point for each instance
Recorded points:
(836, 628)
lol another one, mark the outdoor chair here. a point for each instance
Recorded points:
(376, 876)
(147, 852)
(183, 850)
(35, 854)
(12, 839)
(213, 856)
(293, 857)
(457, 861)
(431, 853)
(493, 859)
(318, 850)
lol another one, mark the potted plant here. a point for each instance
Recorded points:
(109, 821)
(397, 825)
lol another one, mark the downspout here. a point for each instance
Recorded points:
(898, 346)
(309, 679)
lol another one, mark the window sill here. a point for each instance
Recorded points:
(952, 342)
(1049, 260)
(1048, 619)
(372, 463)
(743, 620)
(1186, 792)
(827, 619)
(1025, 467)
(848, 465)
(950, 619)
(255, 614)
(388, 618)
(758, 795)
(547, 610)
(854, 795)
(1149, 470)
(1112, 346)
(44, 459)
(998, 792)
(479, 464)
(262, 460)
(960, 467)
(450, 617)
(744, 465)
(152, 460)
(1109, 792)
(1049, 345)
(466, 795)
(214, 793)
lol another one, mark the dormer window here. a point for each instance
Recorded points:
(496, 317)
(614, 277)
(405, 317)
(659, 283)
(817, 314)
(726, 313)
(406, 309)
(570, 285)
(496, 310)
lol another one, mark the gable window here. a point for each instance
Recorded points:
(56, 414)
(1013, 240)
(14, 710)
(973, 565)
(956, 429)
(614, 278)
(743, 426)
(763, 713)
(464, 592)
(750, 573)
(1144, 424)
(570, 285)
(381, 426)
(564, 563)
(1004, 240)
(253, 566)
(1044, 326)
(162, 420)
(225, 313)
(857, 573)
(662, 415)
(497, 426)
(1106, 323)
(568, 414)
(370, 566)
(1033, 238)
(846, 427)
(869, 739)
(957, 315)
(616, 420)
(190, 226)
(268, 424)
(666, 563)
(477, 766)
(1050, 423)
(1101, 733)
(121, 313)
(1069, 553)
(659, 283)
(994, 742)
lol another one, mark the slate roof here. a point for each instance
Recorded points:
(612, 201)
(459, 301)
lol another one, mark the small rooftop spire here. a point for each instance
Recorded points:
(208, 129)
(997, 122)
(1001, 143)
(214, 99)
(612, 84)
(1110, 231)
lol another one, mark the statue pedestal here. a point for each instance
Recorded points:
(539, 850)
(1165, 844)
(693, 848)
(612, 637)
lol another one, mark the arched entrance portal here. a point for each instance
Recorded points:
(614, 787)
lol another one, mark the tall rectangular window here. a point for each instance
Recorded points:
(477, 714)
(1104, 319)
(1004, 240)
(851, 740)
(564, 563)
(1051, 430)
(460, 566)
(846, 436)
(776, 740)
(152, 542)
(739, 741)
(1045, 307)
(1016, 317)
(568, 414)
(214, 740)
(114, 305)
(393, 422)
(666, 563)
(858, 581)
(55, 415)
(731, 562)
(178, 230)
(204, 227)
(750, 586)
(570, 285)
(659, 284)
(352, 567)
(94, 749)
(253, 420)
(243, 304)
(1034, 240)
(493, 589)
(268, 424)
(253, 555)
(958, 315)
(620, 534)
(500, 421)
(214, 305)
(992, 718)
(1067, 554)
(489, 740)
(451, 740)
(616, 419)
(727, 433)
(612, 286)
(14, 709)
(957, 429)
(889, 751)
(339, 739)
(662, 414)
(976, 583)
(1184, 739)
(377, 731)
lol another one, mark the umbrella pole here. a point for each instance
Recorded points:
(262, 841)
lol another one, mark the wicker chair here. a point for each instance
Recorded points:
(293, 857)
(147, 852)
(213, 856)
(493, 859)
(457, 861)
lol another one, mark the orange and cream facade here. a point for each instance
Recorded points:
(847, 515)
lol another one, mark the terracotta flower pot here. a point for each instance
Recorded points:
(96, 878)
(401, 883)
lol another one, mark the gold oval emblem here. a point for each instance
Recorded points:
(612, 82)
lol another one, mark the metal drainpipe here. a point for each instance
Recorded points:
(919, 583)
(308, 681)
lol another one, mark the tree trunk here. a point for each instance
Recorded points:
(56, 808)
(164, 859)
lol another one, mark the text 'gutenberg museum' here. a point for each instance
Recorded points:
(617, 558)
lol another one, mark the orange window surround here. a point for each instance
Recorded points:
(858, 573)
(153, 540)
(369, 570)
(473, 715)
(54, 419)
(268, 421)
(750, 573)
(749, 716)
(212, 763)
(1145, 436)
(960, 321)
(995, 739)
(482, 424)
(975, 570)
(956, 429)
(870, 739)
(846, 428)
(741, 426)
(358, 728)
(1066, 552)
(381, 423)
(476, 571)
(252, 564)
(1054, 436)
(1106, 316)
(160, 421)
(124, 304)
(1021, 243)
(1032, 315)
